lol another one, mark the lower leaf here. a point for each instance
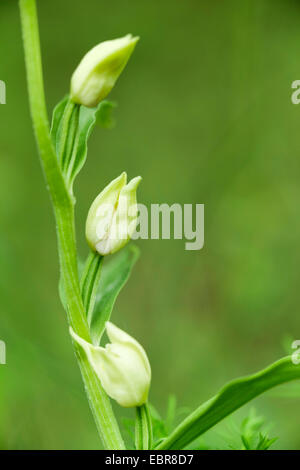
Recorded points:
(231, 397)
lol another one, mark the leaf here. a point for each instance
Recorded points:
(71, 128)
(105, 117)
(56, 119)
(252, 435)
(264, 442)
(89, 281)
(250, 427)
(114, 277)
(87, 121)
(231, 397)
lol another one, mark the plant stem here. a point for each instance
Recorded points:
(64, 215)
(143, 428)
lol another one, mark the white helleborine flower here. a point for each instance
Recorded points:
(99, 70)
(122, 366)
(112, 217)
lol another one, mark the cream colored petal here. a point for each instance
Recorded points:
(101, 212)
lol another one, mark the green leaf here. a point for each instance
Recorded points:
(105, 117)
(251, 433)
(264, 442)
(231, 397)
(71, 128)
(87, 121)
(114, 276)
(57, 115)
(89, 281)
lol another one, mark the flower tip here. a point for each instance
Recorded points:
(114, 333)
(119, 181)
(123, 177)
(134, 39)
(134, 183)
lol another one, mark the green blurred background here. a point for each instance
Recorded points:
(205, 116)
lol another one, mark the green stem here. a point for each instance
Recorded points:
(64, 215)
(143, 428)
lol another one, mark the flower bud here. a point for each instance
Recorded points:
(122, 366)
(112, 218)
(99, 70)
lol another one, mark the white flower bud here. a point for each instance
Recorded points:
(99, 70)
(122, 366)
(112, 217)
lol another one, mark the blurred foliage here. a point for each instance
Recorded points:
(250, 434)
(204, 115)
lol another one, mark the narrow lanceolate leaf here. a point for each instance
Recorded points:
(71, 128)
(114, 276)
(89, 281)
(87, 121)
(56, 120)
(231, 397)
